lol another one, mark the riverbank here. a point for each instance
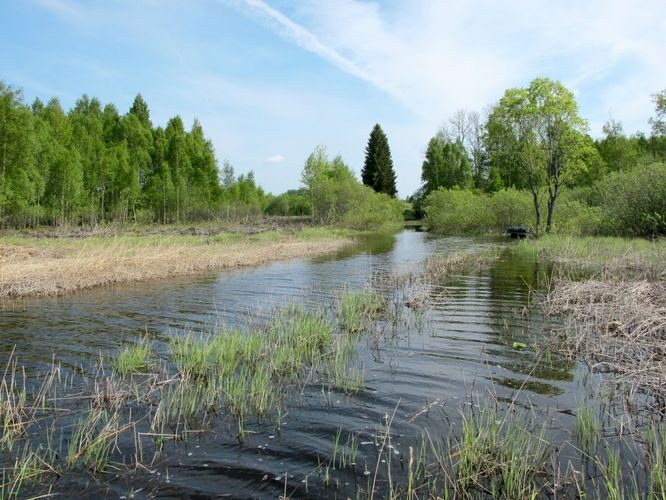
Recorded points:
(611, 293)
(56, 263)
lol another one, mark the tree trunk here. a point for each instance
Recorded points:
(537, 212)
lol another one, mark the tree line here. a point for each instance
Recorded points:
(530, 152)
(533, 141)
(92, 164)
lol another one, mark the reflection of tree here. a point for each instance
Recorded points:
(512, 282)
(372, 244)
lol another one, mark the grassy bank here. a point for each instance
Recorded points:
(42, 264)
(611, 293)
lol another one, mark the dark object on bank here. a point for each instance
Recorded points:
(518, 231)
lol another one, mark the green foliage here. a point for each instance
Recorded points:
(357, 310)
(94, 165)
(134, 358)
(511, 207)
(633, 203)
(337, 197)
(457, 211)
(378, 170)
(463, 211)
(446, 165)
(291, 203)
(537, 133)
(658, 123)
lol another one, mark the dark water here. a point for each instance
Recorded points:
(461, 347)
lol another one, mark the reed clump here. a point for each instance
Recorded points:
(134, 358)
(611, 293)
(356, 310)
(619, 325)
(438, 267)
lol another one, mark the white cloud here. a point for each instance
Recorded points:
(436, 57)
(278, 158)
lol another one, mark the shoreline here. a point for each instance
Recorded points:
(38, 267)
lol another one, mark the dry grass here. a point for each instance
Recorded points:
(620, 326)
(31, 267)
(612, 294)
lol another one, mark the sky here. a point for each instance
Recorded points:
(269, 80)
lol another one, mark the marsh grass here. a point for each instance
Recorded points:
(611, 293)
(608, 255)
(28, 468)
(588, 430)
(439, 267)
(134, 358)
(33, 266)
(357, 310)
(656, 459)
(501, 452)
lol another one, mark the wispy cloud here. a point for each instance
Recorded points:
(308, 41)
(436, 57)
(278, 158)
(65, 9)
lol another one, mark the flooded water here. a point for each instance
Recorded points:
(421, 371)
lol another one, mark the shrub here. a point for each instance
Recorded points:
(337, 197)
(633, 203)
(457, 211)
(511, 207)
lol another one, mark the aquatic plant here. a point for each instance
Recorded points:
(134, 358)
(357, 309)
(588, 429)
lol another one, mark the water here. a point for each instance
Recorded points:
(461, 348)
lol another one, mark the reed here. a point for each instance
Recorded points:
(588, 430)
(30, 266)
(656, 459)
(134, 358)
(356, 310)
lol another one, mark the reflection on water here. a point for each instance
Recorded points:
(464, 345)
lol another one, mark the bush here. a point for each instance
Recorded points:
(457, 211)
(512, 207)
(575, 217)
(371, 210)
(338, 198)
(292, 203)
(464, 211)
(633, 203)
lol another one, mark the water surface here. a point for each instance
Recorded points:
(461, 348)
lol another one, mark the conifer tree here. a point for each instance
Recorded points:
(378, 170)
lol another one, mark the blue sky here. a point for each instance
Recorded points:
(271, 79)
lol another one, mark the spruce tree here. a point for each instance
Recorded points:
(378, 170)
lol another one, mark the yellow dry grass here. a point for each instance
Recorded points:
(48, 270)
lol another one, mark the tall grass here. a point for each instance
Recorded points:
(134, 358)
(33, 266)
(356, 310)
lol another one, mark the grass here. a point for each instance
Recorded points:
(596, 253)
(500, 453)
(611, 293)
(588, 430)
(134, 358)
(357, 310)
(439, 267)
(657, 459)
(55, 266)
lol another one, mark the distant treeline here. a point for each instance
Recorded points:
(93, 164)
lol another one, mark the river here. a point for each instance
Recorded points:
(421, 371)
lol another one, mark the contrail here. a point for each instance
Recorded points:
(308, 41)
